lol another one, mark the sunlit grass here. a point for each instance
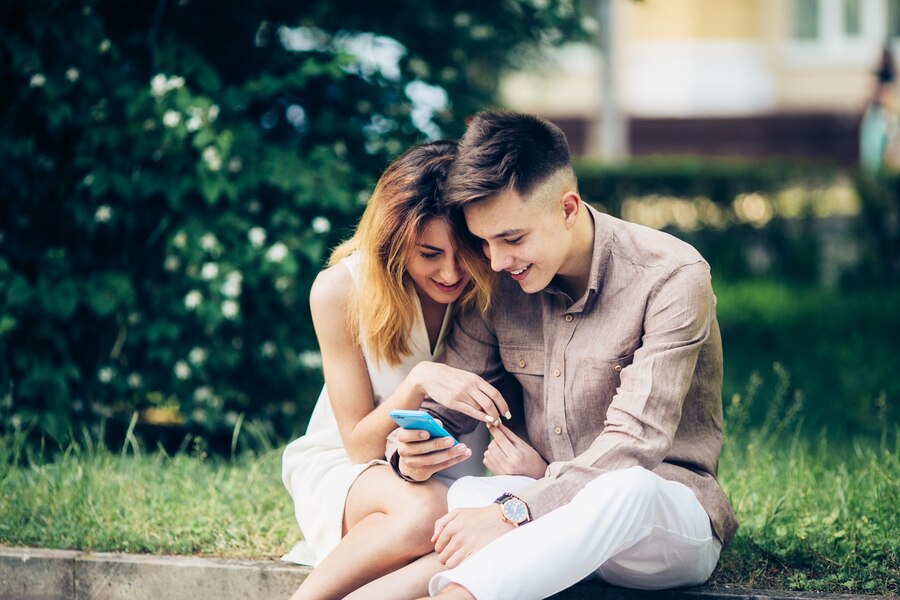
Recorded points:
(813, 515)
(90, 498)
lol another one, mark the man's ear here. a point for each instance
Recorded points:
(571, 203)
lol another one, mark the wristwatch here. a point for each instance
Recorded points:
(512, 510)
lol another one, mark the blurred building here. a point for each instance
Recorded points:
(717, 77)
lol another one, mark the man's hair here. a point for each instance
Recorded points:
(503, 151)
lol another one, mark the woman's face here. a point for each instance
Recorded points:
(434, 265)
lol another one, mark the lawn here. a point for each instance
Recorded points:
(814, 516)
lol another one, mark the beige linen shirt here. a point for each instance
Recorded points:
(628, 374)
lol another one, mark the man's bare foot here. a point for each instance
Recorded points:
(454, 591)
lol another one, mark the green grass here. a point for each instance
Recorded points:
(814, 516)
(91, 498)
(840, 348)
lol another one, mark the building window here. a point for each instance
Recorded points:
(806, 19)
(894, 18)
(852, 18)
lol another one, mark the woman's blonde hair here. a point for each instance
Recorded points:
(408, 195)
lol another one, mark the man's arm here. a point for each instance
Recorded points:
(644, 416)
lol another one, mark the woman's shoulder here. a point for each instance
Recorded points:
(332, 287)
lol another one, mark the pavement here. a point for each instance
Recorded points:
(38, 574)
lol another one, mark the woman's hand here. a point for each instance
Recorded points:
(460, 391)
(508, 454)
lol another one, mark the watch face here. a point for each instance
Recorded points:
(515, 510)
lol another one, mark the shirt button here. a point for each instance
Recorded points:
(569, 318)
(556, 373)
(617, 368)
(557, 430)
(521, 364)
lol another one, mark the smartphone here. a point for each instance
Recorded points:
(419, 419)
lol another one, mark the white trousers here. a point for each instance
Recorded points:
(630, 528)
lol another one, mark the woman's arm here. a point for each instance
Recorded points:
(362, 426)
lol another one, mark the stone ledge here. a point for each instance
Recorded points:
(38, 574)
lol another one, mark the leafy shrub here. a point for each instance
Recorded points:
(175, 173)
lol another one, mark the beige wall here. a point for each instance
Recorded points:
(705, 58)
(693, 19)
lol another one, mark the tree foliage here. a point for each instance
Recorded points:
(174, 172)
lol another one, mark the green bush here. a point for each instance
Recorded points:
(175, 173)
(748, 218)
(879, 227)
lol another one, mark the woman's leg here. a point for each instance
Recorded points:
(388, 523)
(406, 583)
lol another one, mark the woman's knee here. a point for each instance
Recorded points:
(414, 516)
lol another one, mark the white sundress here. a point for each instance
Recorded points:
(315, 468)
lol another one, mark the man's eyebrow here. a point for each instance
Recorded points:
(435, 248)
(508, 233)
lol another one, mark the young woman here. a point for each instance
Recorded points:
(381, 311)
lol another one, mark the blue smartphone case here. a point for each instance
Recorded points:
(417, 419)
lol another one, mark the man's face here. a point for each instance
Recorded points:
(526, 239)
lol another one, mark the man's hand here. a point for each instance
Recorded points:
(467, 530)
(422, 456)
(460, 391)
(508, 454)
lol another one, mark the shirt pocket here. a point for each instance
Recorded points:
(523, 361)
(594, 390)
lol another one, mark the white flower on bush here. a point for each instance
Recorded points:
(209, 242)
(230, 309)
(277, 252)
(103, 214)
(72, 74)
(171, 118)
(180, 240)
(212, 158)
(235, 164)
(209, 271)
(257, 236)
(198, 355)
(232, 285)
(161, 85)
(268, 349)
(194, 123)
(37, 80)
(104, 46)
(193, 299)
(106, 374)
(158, 85)
(182, 370)
(321, 225)
(212, 113)
(310, 359)
(282, 284)
(172, 263)
(135, 380)
(203, 394)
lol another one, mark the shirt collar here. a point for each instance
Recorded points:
(599, 259)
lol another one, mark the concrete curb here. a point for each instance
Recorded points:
(38, 574)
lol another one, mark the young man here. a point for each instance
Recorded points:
(610, 329)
